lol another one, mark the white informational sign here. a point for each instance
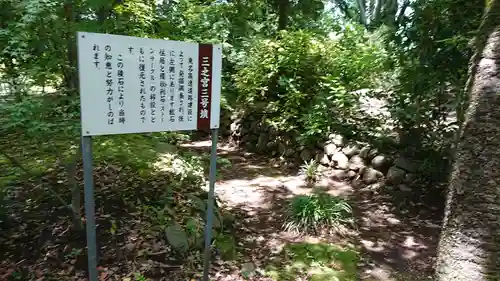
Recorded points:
(136, 85)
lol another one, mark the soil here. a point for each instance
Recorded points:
(397, 230)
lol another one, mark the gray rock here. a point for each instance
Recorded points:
(235, 128)
(351, 174)
(340, 161)
(290, 152)
(248, 269)
(262, 142)
(379, 162)
(363, 153)
(405, 164)
(404, 188)
(350, 150)
(272, 146)
(395, 175)
(330, 149)
(281, 148)
(356, 163)
(337, 139)
(322, 158)
(409, 178)
(254, 127)
(371, 175)
(245, 139)
(376, 186)
(373, 152)
(237, 120)
(338, 174)
(306, 155)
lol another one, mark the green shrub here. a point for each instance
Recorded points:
(316, 212)
(303, 83)
(310, 170)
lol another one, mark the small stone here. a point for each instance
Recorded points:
(373, 152)
(235, 128)
(306, 155)
(130, 246)
(340, 160)
(337, 139)
(363, 153)
(272, 145)
(371, 175)
(350, 150)
(376, 186)
(395, 175)
(404, 188)
(330, 149)
(405, 164)
(323, 169)
(393, 221)
(379, 162)
(356, 163)
(322, 158)
(262, 142)
(351, 174)
(254, 127)
(409, 178)
(281, 148)
(338, 174)
(248, 268)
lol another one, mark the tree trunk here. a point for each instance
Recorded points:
(70, 69)
(469, 247)
(283, 6)
(71, 168)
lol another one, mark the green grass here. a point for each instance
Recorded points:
(318, 211)
(320, 262)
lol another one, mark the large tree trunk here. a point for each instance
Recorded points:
(469, 248)
(283, 7)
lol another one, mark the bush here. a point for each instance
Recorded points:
(316, 212)
(304, 83)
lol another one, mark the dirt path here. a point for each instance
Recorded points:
(256, 189)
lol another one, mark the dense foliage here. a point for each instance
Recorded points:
(303, 69)
(304, 83)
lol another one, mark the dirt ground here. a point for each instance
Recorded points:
(397, 230)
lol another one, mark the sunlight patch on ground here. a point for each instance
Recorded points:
(313, 262)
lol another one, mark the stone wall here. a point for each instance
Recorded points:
(345, 160)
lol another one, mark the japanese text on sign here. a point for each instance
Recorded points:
(133, 85)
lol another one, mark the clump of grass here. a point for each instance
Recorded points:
(318, 212)
(310, 171)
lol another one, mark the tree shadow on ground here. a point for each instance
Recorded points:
(243, 165)
(279, 254)
(39, 241)
(399, 230)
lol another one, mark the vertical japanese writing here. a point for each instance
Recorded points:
(152, 86)
(205, 54)
(163, 84)
(109, 83)
(204, 82)
(190, 90)
(181, 86)
(171, 71)
(96, 55)
(142, 84)
(121, 89)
